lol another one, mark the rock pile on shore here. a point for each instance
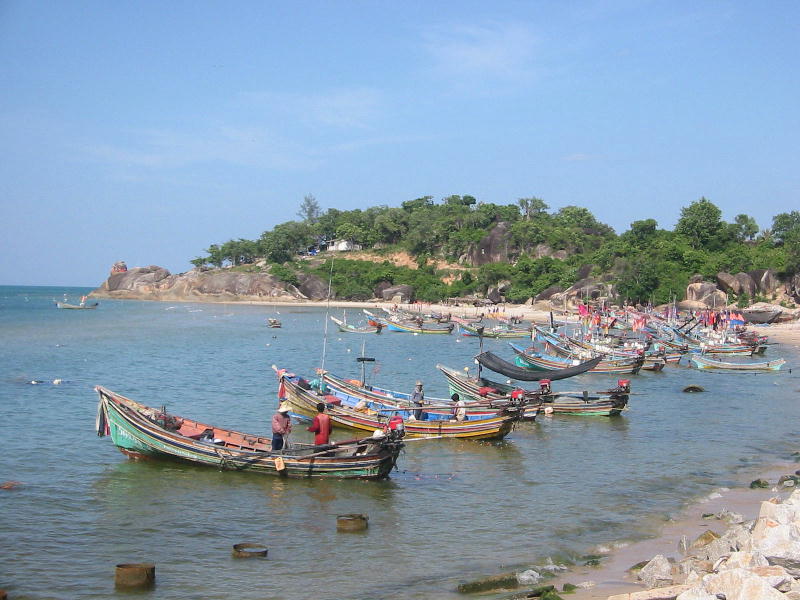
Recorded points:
(755, 560)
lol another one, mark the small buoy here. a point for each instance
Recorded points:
(249, 550)
(57, 381)
(693, 388)
(135, 575)
(352, 522)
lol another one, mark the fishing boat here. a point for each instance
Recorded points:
(761, 316)
(704, 362)
(498, 332)
(81, 306)
(353, 391)
(609, 403)
(494, 363)
(347, 328)
(303, 400)
(415, 327)
(143, 432)
(546, 362)
(274, 323)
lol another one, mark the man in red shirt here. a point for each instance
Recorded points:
(321, 426)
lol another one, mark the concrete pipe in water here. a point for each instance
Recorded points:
(352, 522)
(135, 575)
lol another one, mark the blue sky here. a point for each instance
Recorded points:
(145, 131)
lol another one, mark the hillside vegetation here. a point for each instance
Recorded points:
(460, 247)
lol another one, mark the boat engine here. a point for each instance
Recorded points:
(544, 387)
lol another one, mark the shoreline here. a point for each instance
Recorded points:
(613, 576)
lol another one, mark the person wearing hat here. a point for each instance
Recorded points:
(281, 426)
(321, 426)
(459, 407)
(417, 398)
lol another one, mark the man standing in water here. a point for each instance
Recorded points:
(321, 426)
(281, 426)
(417, 398)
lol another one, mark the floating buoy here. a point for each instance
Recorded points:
(693, 388)
(351, 522)
(135, 575)
(249, 550)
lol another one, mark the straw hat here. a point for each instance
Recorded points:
(284, 407)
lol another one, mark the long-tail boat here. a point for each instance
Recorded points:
(494, 363)
(703, 362)
(303, 401)
(143, 432)
(347, 328)
(81, 306)
(545, 362)
(415, 327)
(609, 403)
(354, 391)
(500, 332)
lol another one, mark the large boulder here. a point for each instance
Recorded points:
(548, 293)
(403, 293)
(312, 287)
(766, 281)
(728, 283)
(746, 284)
(492, 248)
(708, 294)
(656, 573)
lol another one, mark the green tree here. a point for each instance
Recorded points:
(745, 227)
(700, 223)
(531, 207)
(309, 209)
(783, 224)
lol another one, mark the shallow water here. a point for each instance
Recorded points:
(454, 510)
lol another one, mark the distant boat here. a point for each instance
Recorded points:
(703, 362)
(762, 315)
(274, 323)
(81, 306)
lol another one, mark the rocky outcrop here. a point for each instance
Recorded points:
(157, 283)
(492, 248)
(708, 294)
(398, 293)
(759, 559)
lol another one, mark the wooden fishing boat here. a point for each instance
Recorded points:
(609, 403)
(762, 316)
(494, 363)
(415, 327)
(352, 392)
(81, 306)
(303, 400)
(703, 362)
(491, 332)
(347, 328)
(143, 432)
(546, 362)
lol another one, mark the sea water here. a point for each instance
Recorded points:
(453, 510)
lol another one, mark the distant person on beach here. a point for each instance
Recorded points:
(418, 397)
(281, 426)
(321, 426)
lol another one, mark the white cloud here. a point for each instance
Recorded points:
(500, 51)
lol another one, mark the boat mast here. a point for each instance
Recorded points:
(327, 318)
